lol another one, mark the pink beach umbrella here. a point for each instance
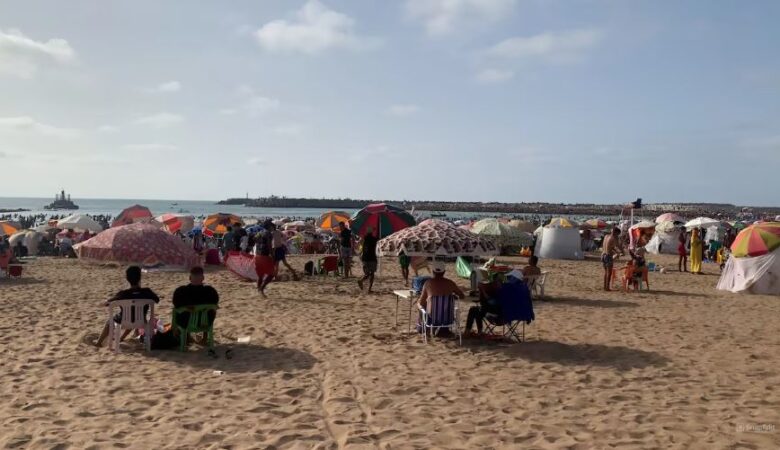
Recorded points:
(138, 243)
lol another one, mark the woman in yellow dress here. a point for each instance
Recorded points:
(696, 252)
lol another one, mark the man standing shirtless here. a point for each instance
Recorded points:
(611, 248)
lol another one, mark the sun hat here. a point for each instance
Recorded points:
(438, 267)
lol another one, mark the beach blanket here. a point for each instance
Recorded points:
(242, 265)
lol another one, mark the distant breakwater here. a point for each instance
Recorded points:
(688, 210)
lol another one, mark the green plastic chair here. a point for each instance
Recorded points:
(198, 323)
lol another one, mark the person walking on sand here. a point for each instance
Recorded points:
(368, 257)
(612, 247)
(280, 253)
(264, 264)
(682, 252)
(345, 238)
(696, 252)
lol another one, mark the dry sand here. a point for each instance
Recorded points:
(683, 366)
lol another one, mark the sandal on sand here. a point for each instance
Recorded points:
(213, 353)
(229, 353)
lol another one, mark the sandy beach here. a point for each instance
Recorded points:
(681, 366)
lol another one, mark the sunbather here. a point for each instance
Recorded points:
(133, 276)
(438, 286)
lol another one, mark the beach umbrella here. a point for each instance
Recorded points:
(777, 218)
(701, 222)
(383, 218)
(138, 243)
(176, 222)
(132, 214)
(522, 225)
(330, 220)
(8, 228)
(757, 240)
(45, 228)
(218, 223)
(79, 222)
(562, 222)
(595, 224)
(645, 224)
(666, 227)
(254, 229)
(500, 233)
(669, 217)
(434, 237)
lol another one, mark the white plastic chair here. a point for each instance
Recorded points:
(536, 284)
(440, 312)
(133, 318)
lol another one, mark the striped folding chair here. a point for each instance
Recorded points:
(440, 312)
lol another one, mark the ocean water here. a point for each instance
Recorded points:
(198, 209)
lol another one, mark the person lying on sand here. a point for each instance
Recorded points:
(133, 276)
(438, 286)
(193, 294)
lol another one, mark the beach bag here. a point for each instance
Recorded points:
(165, 341)
(308, 268)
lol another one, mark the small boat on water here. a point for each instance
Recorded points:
(438, 214)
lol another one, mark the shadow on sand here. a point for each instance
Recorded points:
(618, 357)
(245, 358)
(572, 301)
(23, 281)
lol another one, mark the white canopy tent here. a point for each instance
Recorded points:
(752, 275)
(559, 243)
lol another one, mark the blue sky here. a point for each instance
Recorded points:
(490, 100)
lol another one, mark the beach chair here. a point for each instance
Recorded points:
(536, 284)
(441, 312)
(198, 323)
(514, 299)
(328, 264)
(133, 318)
(627, 277)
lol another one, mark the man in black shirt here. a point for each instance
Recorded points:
(346, 248)
(193, 294)
(368, 257)
(133, 276)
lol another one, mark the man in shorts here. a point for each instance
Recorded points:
(345, 240)
(368, 257)
(280, 253)
(610, 249)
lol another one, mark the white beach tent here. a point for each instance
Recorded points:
(753, 275)
(665, 240)
(559, 243)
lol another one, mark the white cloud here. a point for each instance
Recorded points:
(28, 124)
(252, 103)
(490, 76)
(316, 28)
(160, 120)
(445, 16)
(107, 129)
(565, 46)
(403, 110)
(21, 56)
(291, 129)
(167, 87)
(150, 147)
(256, 161)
